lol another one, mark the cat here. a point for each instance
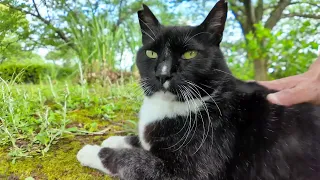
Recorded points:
(199, 122)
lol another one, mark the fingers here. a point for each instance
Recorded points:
(292, 96)
(297, 89)
(283, 83)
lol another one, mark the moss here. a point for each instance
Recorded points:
(59, 163)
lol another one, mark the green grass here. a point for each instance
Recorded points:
(43, 126)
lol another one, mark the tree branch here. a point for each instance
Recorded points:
(36, 7)
(236, 10)
(276, 14)
(47, 9)
(309, 3)
(259, 10)
(249, 13)
(301, 15)
(60, 33)
(236, 15)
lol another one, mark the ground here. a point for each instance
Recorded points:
(59, 163)
(115, 115)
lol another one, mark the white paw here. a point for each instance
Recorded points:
(88, 156)
(116, 142)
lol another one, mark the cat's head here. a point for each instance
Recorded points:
(183, 60)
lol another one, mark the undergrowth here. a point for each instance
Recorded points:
(35, 117)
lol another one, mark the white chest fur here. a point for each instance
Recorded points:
(161, 105)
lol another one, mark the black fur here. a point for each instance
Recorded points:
(245, 137)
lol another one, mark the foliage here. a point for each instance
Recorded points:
(101, 34)
(14, 29)
(270, 27)
(286, 56)
(33, 117)
(87, 30)
(93, 43)
(51, 118)
(24, 72)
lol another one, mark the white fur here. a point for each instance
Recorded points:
(166, 84)
(161, 105)
(116, 142)
(88, 156)
(164, 69)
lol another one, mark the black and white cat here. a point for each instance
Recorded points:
(198, 122)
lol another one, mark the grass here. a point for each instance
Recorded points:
(43, 126)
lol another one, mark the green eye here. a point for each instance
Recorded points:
(151, 54)
(189, 54)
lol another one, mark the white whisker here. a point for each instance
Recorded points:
(148, 27)
(147, 34)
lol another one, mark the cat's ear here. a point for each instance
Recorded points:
(215, 21)
(149, 24)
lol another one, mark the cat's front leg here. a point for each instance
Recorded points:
(121, 142)
(135, 164)
(89, 156)
(128, 164)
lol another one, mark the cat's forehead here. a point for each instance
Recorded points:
(175, 34)
(177, 29)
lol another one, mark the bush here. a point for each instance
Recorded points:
(32, 73)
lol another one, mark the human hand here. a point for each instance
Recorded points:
(296, 89)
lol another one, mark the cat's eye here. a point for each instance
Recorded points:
(189, 54)
(151, 54)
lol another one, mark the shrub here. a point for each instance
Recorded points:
(32, 73)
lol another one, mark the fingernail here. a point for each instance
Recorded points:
(273, 98)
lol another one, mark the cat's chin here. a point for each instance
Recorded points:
(164, 95)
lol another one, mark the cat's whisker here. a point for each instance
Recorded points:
(144, 86)
(148, 28)
(191, 122)
(195, 122)
(137, 92)
(186, 36)
(207, 94)
(150, 89)
(147, 34)
(207, 86)
(146, 89)
(206, 133)
(190, 129)
(223, 72)
(200, 98)
(189, 115)
(185, 99)
(196, 35)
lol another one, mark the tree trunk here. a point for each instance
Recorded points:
(260, 70)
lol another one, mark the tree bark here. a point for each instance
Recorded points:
(260, 69)
(276, 14)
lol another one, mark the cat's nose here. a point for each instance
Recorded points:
(163, 77)
(163, 72)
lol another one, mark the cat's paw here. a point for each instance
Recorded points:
(88, 156)
(116, 142)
